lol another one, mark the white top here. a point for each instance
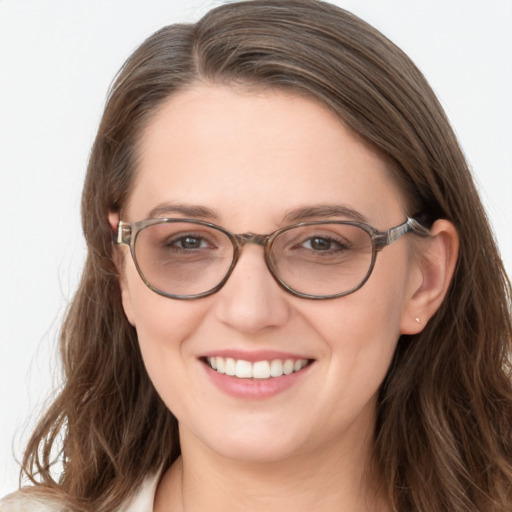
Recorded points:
(21, 502)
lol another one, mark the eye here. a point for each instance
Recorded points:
(189, 242)
(319, 243)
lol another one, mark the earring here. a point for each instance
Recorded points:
(418, 321)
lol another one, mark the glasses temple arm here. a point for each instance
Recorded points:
(395, 233)
(417, 227)
(123, 233)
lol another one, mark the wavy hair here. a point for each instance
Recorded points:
(444, 421)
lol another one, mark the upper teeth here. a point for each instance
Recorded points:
(258, 370)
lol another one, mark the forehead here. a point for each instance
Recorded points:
(244, 153)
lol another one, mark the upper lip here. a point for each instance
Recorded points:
(256, 355)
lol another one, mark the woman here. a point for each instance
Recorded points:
(357, 360)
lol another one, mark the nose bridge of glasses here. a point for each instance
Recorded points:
(251, 238)
(243, 239)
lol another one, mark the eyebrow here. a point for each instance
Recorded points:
(323, 211)
(188, 210)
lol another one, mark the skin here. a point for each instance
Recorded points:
(252, 157)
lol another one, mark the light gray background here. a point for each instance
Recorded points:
(57, 59)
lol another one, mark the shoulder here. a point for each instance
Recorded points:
(22, 501)
(27, 501)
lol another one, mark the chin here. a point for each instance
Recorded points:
(254, 445)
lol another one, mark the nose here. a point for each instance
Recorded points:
(251, 300)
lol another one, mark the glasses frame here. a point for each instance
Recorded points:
(127, 234)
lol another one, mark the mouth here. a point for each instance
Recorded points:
(260, 370)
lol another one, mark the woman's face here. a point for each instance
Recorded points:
(250, 161)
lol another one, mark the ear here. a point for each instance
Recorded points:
(113, 220)
(435, 263)
(119, 262)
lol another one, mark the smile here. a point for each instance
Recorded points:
(258, 370)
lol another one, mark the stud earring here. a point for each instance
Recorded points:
(418, 321)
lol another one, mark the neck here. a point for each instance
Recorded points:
(329, 480)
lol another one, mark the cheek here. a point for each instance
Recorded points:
(154, 317)
(163, 327)
(368, 320)
(360, 332)
(362, 341)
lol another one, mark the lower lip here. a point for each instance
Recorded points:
(254, 389)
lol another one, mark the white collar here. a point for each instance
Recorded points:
(144, 499)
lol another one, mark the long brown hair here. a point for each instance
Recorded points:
(443, 434)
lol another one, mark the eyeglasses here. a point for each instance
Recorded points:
(189, 259)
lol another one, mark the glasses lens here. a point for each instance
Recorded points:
(322, 259)
(182, 258)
